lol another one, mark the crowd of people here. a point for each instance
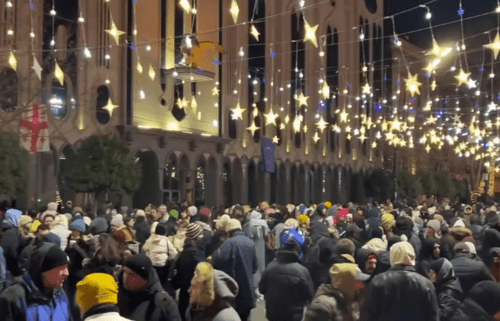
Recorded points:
(380, 262)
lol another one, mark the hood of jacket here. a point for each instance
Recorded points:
(204, 226)
(487, 295)
(361, 257)
(12, 217)
(160, 240)
(427, 248)
(151, 288)
(319, 229)
(225, 287)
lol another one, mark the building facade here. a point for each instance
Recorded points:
(168, 76)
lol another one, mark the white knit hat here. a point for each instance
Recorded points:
(192, 210)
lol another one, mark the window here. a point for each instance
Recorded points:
(232, 125)
(8, 90)
(179, 32)
(58, 99)
(178, 111)
(371, 5)
(332, 77)
(103, 96)
(103, 37)
(200, 182)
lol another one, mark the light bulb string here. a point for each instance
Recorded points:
(400, 46)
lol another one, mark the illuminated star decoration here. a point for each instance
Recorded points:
(433, 85)
(495, 45)
(492, 106)
(59, 74)
(374, 145)
(343, 116)
(471, 83)
(302, 100)
(282, 126)
(110, 107)
(437, 51)
(310, 33)
(462, 77)
(139, 68)
(254, 32)
(152, 73)
(186, 5)
(362, 137)
(325, 91)
(366, 88)
(316, 137)
(276, 139)
(181, 103)
(238, 111)
(13, 61)
(234, 10)
(37, 68)
(114, 32)
(460, 12)
(253, 128)
(412, 84)
(215, 91)
(296, 125)
(271, 117)
(194, 104)
(322, 124)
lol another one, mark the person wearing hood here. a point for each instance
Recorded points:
(480, 305)
(286, 285)
(97, 298)
(430, 252)
(476, 229)
(468, 270)
(203, 221)
(39, 294)
(220, 234)
(339, 299)
(142, 230)
(11, 242)
(494, 263)
(447, 285)
(60, 228)
(404, 226)
(366, 259)
(187, 261)
(25, 223)
(159, 249)
(257, 230)
(278, 228)
(211, 294)
(179, 237)
(141, 296)
(401, 293)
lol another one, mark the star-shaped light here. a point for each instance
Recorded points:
(59, 74)
(428, 149)
(305, 128)
(186, 5)
(110, 107)
(462, 77)
(139, 68)
(37, 68)
(396, 124)
(348, 129)
(287, 119)
(271, 117)
(296, 125)
(492, 106)
(253, 128)
(316, 137)
(384, 125)
(437, 51)
(433, 85)
(215, 91)
(412, 84)
(234, 10)
(368, 122)
(302, 100)
(322, 124)
(114, 32)
(336, 128)
(238, 111)
(348, 137)
(378, 135)
(182, 103)
(471, 83)
(428, 106)
(310, 33)
(13, 61)
(460, 12)
(374, 145)
(254, 32)
(152, 73)
(366, 88)
(494, 46)
(276, 139)
(325, 90)
(194, 104)
(343, 116)
(431, 119)
(362, 137)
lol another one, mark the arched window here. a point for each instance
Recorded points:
(101, 101)
(58, 99)
(8, 89)
(200, 182)
(178, 112)
(232, 125)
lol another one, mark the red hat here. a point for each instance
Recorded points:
(206, 211)
(343, 213)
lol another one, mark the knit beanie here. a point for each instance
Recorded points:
(52, 238)
(140, 264)
(25, 219)
(78, 225)
(140, 213)
(402, 253)
(233, 225)
(193, 231)
(174, 213)
(206, 211)
(345, 246)
(96, 289)
(117, 221)
(192, 210)
(55, 257)
(435, 224)
(161, 230)
(487, 295)
(98, 226)
(87, 220)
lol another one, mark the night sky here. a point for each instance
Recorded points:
(443, 11)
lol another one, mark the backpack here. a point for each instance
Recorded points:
(313, 252)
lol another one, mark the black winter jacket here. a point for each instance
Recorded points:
(449, 295)
(400, 294)
(470, 272)
(12, 246)
(287, 287)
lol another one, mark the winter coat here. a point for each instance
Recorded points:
(63, 234)
(330, 304)
(152, 303)
(225, 290)
(470, 271)
(3, 271)
(426, 257)
(321, 243)
(277, 230)
(12, 246)
(215, 242)
(401, 294)
(287, 287)
(448, 290)
(27, 301)
(238, 258)
(481, 304)
(104, 312)
(258, 232)
(159, 248)
(178, 240)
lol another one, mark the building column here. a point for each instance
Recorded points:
(219, 192)
(267, 187)
(307, 185)
(288, 186)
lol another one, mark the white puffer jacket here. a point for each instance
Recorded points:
(159, 248)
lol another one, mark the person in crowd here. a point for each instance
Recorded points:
(142, 229)
(141, 296)
(38, 295)
(286, 285)
(433, 229)
(159, 249)
(468, 270)
(220, 234)
(60, 228)
(50, 214)
(211, 293)
(11, 242)
(338, 300)
(3, 268)
(238, 258)
(494, 263)
(179, 237)
(401, 293)
(191, 255)
(257, 230)
(430, 252)
(97, 298)
(404, 226)
(25, 223)
(447, 285)
(106, 258)
(481, 304)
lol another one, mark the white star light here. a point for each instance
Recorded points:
(471, 83)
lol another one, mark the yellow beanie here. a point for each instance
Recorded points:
(328, 204)
(388, 221)
(35, 225)
(304, 218)
(95, 289)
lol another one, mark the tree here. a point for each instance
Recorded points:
(428, 183)
(357, 189)
(444, 185)
(13, 166)
(103, 164)
(378, 185)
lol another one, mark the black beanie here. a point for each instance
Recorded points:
(437, 265)
(161, 230)
(55, 257)
(140, 264)
(487, 295)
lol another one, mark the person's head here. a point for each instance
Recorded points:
(107, 250)
(440, 271)
(348, 279)
(402, 254)
(162, 209)
(194, 232)
(371, 263)
(136, 272)
(25, 223)
(233, 225)
(94, 290)
(202, 285)
(42, 231)
(487, 295)
(77, 228)
(48, 220)
(182, 225)
(467, 248)
(50, 263)
(433, 229)
(345, 246)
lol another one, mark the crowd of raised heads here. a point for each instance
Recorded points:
(382, 262)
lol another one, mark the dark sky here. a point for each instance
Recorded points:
(443, 11)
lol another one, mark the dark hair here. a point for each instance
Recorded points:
(32, 213)
(108, 253)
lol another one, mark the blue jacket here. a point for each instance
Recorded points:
(26, 301)
(3, 270)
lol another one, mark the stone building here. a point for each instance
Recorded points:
(135, 54)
